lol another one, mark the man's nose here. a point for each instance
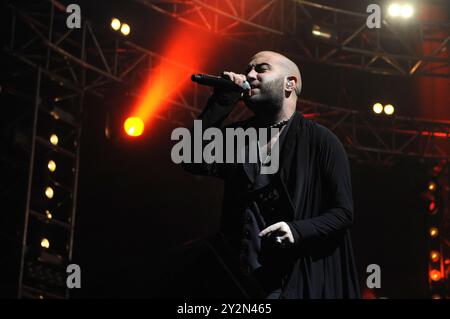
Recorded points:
(251, 75)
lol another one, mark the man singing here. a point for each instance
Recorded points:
(290, 229)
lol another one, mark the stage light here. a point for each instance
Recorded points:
(115, 24)
(432, 206)
(404, 11)
(436, 296)
(389, 109)
(48, 214)
(434, 232)
(49, 192)
(53, 113)
(394, 10)
(134, 126)
(434, 256)
(435, 275)
(45, 243)
(377, 108)
(319, 32)
(432, 186)
(190, 49)
(407, 11)
(54, 139)
(51, 166)
(447, 261)
(125, 29)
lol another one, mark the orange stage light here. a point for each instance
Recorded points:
(435, 275)
(434, 256)
(134, 126)
(186, 53)
(434, 232)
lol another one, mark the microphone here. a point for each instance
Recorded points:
(211, 80)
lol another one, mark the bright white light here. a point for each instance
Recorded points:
(115, 24)
(49, 192)
(389, 109)
(394, 10)
(125, 29)
(45, 243)
(407, 11)
(316, 31)
(54, 139)
(377, 108)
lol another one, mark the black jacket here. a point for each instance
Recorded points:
(314, 173)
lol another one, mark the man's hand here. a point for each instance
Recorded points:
(280, 229)
(239, 79)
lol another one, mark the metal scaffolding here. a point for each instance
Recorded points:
(392, 49)
(116, 60)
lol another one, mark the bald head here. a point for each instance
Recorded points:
(289, 68)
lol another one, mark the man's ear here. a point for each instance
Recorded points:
(291, 83)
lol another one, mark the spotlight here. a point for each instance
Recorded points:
(134, 126)
(323, 33)
(125, 29)
(434, 256)
(54, 139)
(432, 186)
(45, 243)
(432, 206)
(319, 32)
(404, 11)
(436, 296)
(389, 109)
(394, 10)
(434, 232)
(51, 166)
(407, 11)
(49, 192)
(48, 214)
(435, 275)
(115, 24)
(377, 108)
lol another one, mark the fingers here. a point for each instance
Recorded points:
(272, 228)
(239, 79)
(288, 238)
(282, 229)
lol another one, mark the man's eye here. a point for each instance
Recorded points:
(261, 68)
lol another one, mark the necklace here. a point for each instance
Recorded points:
(281, 123)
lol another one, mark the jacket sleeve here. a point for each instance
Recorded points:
(217, 109)
(337, 210)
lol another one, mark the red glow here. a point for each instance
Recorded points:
(369, 294)
(432, 206)
(435, 275)
(433, 92)
(436, 134)
(190, 50)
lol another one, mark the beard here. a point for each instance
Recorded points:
(269, 97)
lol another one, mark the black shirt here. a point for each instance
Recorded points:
(255, 220)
